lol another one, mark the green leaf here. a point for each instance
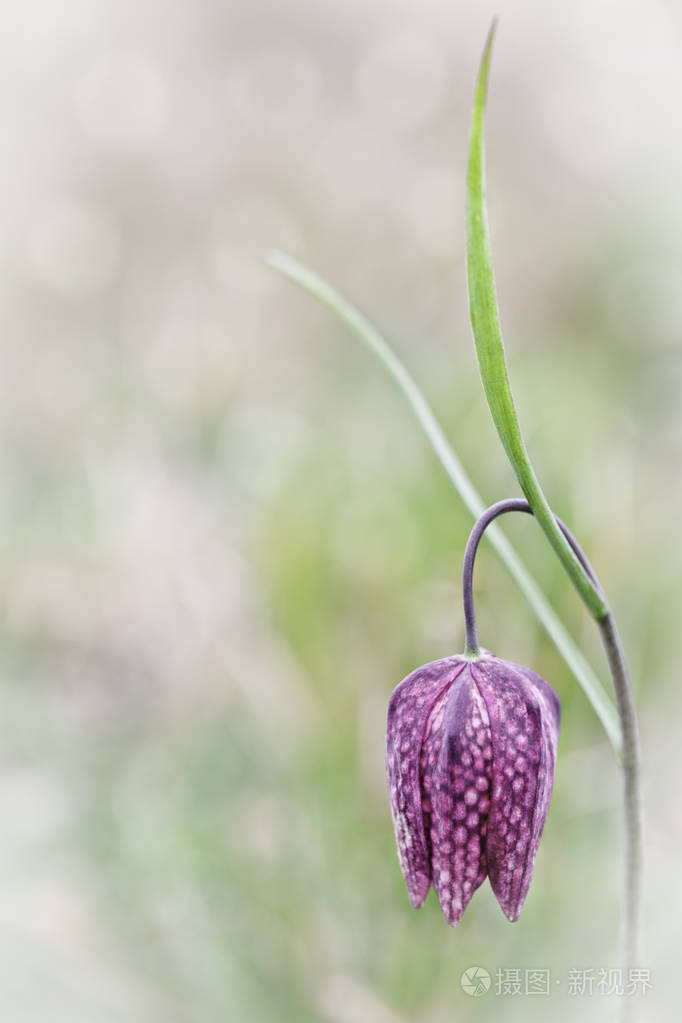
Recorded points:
(583, 673)
(490, 351)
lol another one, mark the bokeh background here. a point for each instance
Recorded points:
(223, 539)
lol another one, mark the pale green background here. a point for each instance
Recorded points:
(224, 540)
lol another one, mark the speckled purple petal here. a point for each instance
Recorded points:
(524, 712)
(461, 781)
(408, 716)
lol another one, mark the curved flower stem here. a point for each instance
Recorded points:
(510, 505)
(624, 705)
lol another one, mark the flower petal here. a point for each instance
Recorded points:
(408, 715)
(551, 700)
(524, 723)
(462, 795)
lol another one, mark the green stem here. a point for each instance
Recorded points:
(632, 795)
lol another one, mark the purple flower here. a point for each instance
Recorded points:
(470, 752)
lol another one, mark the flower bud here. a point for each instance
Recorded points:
(470, 753)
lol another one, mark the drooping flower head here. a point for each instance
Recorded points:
(470, 753)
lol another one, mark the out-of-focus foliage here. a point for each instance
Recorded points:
(223, 539)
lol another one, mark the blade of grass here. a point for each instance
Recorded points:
(490, 351)
(579, 667)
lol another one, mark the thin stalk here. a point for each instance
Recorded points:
(632, 793)
(630, 761)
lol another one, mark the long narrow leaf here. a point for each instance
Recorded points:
(490, 350)
(592, 687)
